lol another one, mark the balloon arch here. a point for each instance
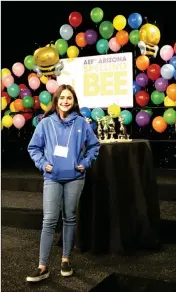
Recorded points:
(20, 103)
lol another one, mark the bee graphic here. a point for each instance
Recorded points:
(47, 61)
(149, 39)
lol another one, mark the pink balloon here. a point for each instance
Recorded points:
(114, 46)
(7, 80)
(52, 86)
(18, 121)
(166, 52)
(34, 83)
(18, 69)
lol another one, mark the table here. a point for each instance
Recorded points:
(119, 206)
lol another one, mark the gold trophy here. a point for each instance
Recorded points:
(99, 130)
(88, 120)
(111, 128)
(123, 136)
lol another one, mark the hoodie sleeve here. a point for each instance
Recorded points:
(36, 147)
(92, 148)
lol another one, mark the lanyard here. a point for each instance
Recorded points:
(56, 134)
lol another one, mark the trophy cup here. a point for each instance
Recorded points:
(88, 120)
(123, 136)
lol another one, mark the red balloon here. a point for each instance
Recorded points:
(75, 19)
(142, 98)
(175, 48)
(36, 104)
(22, 86)
(7, 97)
(153, 72)
(28, 113)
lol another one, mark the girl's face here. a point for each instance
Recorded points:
(65, 101)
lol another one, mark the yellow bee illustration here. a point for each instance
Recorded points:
(149, 39)
(47, 61)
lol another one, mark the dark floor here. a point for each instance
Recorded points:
(20, 256)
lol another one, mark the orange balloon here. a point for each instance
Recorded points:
(171, 91)
(32, 75)
(122, 37)
(80, 40)
(2, 86)
(159, 124)
(18, 104)
(142, 63)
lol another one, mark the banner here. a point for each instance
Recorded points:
(100, 81)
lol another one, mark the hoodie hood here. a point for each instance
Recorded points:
(67, 121)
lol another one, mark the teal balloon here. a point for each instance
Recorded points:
(126, 116)
(61, 46)
(170, 116)
(102, 46)
(134, 37)
(35, 121)
(97, 113)
(45, 97)
(13, 90)
(106, 29)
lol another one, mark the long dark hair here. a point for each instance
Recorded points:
(56, 96)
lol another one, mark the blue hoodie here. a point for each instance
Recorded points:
(83, 146)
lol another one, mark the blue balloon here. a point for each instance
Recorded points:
(173, 61)
(66, 31)
(167, 71)
(136, 87)
(175, 74)
(93, 125)
(86, 112)
(135, 20)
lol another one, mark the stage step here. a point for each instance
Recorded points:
(24, 210)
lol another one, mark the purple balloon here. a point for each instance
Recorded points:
(25, 92)
(142, 119)
(91, 36)
(161, 84)
(142, 79)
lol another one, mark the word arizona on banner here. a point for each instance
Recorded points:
(100, 81)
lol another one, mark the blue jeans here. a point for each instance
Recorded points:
(54, 195)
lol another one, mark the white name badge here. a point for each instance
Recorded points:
(61, 151)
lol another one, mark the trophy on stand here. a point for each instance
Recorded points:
(88, 120)
(111, 128)
(99, 130)
(123, 136)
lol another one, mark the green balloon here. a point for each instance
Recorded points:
(7, 113)
(106, 29)
(106, 120)
(134, 37)
(13, 90)
(28, 101)
(170, 116)
(102, 46)
(29, 62)
(96, 14)
(149, 111)
(157, 97)
(61, 46)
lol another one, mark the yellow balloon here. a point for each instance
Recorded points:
(168, 101)
(44, 79)
(114, 110)
(7, 121)
(72, 52)
(45, 107)
(119, 22)
(5, 72)
(149, 34)
(3, 103)
(12, 107)
(1, 126)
